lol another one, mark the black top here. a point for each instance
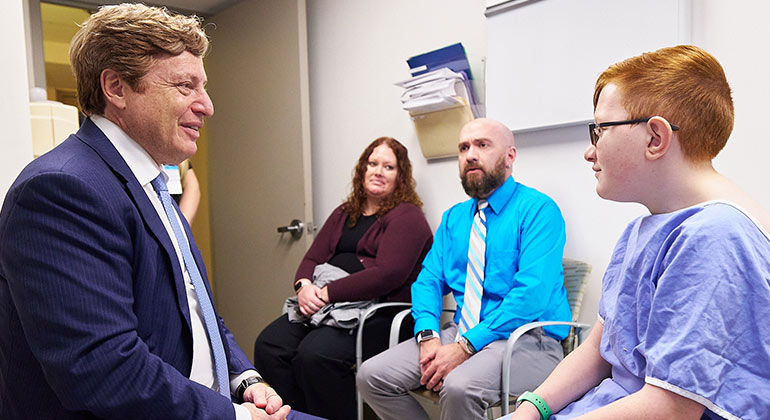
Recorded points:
(345, 254)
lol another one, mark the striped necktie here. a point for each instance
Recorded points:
(207, 309)
(474, 282)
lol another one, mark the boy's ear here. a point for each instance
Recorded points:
(661, 137)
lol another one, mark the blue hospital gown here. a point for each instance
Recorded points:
(686, 307)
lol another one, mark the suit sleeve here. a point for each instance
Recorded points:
(68, 260)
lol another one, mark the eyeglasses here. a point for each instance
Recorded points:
(595, 130)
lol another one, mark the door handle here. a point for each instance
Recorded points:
(296, 227)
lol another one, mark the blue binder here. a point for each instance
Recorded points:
(452, 57)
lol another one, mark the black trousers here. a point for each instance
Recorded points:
(313, 368)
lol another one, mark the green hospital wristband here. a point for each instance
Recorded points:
(542, 407)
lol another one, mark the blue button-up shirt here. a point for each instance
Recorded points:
(524, 280)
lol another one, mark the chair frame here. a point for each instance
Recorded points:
(395, 327)
(515, 335)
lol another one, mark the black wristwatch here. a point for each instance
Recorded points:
(426, 335)
(298, 285)
(245, 384)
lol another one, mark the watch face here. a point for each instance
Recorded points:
(425, 334)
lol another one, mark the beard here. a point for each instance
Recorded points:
(488, 182)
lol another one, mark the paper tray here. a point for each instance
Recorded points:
(439, 131)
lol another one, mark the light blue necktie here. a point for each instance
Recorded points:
(209, 318)
(474, 282)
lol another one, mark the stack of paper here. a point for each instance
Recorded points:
(439, 98)
(434, 91)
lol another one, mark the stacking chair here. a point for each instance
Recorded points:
(576, 274)
(395, 329)
(393, 340)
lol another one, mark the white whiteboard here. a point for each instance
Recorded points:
(544, 56)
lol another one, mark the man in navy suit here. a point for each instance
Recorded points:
(99, 317)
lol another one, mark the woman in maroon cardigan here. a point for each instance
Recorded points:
(379, 236)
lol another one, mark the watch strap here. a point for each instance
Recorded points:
(539, 403)
(245, 384)
(426, 335)
(298, 285)
(467, 346)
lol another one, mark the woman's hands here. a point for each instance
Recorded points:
(311, 298)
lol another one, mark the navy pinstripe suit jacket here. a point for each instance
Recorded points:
(94, 321)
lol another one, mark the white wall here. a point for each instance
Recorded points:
(358, 49)
(16, 140)
(736, 33)
(551, 160)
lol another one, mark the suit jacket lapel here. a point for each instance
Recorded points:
(90, 134)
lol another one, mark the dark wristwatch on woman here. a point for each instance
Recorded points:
(298, 285)
(245, 384)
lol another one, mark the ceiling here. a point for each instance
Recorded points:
(200, 7)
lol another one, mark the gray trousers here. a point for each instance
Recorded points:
(386, 379)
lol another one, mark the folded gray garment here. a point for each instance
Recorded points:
(337, 314)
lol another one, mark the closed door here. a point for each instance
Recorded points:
(259, 159)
